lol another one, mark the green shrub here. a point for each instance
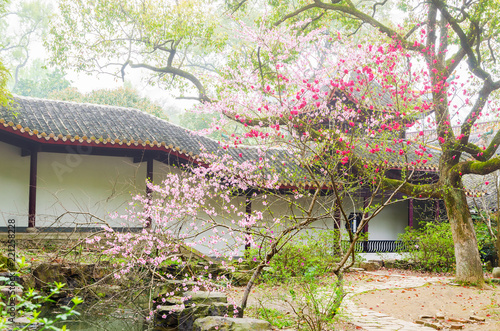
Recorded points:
(486, 243)
(277, 318)
(30, 303)
(430, 248)
(313, 248)
(316, 299)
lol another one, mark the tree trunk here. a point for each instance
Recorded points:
(468, 261)
(497, 243)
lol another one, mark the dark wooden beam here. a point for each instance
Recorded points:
(149, 174)
(139, 158)
(410, 212)
(149, 178)
(32, 188)
(163, 155)
(248, 211)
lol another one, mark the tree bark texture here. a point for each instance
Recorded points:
(468, 261)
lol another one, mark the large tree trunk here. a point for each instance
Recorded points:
(468, 261)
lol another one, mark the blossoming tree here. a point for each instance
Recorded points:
(450, 38)
(311, 106)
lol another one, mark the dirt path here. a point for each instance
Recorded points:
(406, 297)
(393, 300)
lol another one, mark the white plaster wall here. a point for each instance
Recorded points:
(80, 183)
(101, 185)
(14, 185)
(277, 207)
(391, 221)
(160, 171)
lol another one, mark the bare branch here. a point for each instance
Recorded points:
(177, 72)
(350, 9)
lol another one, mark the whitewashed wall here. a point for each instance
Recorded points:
(14, 185)
(100, 185)
(391, 221)
(96, 185)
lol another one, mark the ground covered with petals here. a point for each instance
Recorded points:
(390, 292)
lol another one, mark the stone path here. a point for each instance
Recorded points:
(371, 320)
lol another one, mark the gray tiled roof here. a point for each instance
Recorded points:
(72, 121)
(50, 121)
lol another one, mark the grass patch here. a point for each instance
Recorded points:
(277, 318)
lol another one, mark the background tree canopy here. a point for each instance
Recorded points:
(122, 97)
(38, 81)
(31, 20)
(4, 73)
(166, 38)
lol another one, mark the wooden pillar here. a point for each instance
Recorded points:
(149, 177)
(410, 212)
(366, 202)
(248, 211)
(32, 189)
(149, 174)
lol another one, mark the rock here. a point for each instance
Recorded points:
(436, 326)
(425, 316)
(357, 269)
(32, 230)
(379, 262)
(175, 286)
(204, 267)
(390, 264)
(72, 274)
(218, 323)
(477, 318)
(369, 266)
(496, 272)
(439, 315)
(445, 325)
(22, 320)
(172, 301)
(10, 275)
(7, 264)
(27, 281)
(243, 266)
(167, 316)
(203, 297)
(458, 320)
(7, 291)
(189, 315)
(456, 326)
(184, 318)
(419, 322)
(223, 309)
(105, 290)
(99, 272)
(241, 278)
